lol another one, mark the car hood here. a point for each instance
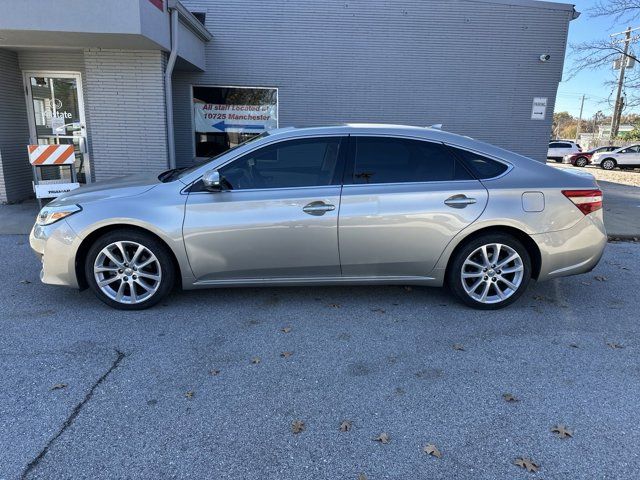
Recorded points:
(125, 186)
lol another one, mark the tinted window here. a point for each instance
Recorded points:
(294, 163)
(482, 167)
(559, 145)
(395, 160)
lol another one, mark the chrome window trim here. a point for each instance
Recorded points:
(508, 164)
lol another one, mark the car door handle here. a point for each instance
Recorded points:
(318, 208)
(459, 201)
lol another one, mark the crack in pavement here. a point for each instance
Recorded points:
(71, 418)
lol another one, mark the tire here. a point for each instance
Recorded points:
(581, 162)
(135, 282)
(608, 164)
(472, 251)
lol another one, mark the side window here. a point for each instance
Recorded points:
(555, 145)
(482, 167)
(396, 160)
(292, 163)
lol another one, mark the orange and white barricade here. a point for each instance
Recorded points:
(52, 156)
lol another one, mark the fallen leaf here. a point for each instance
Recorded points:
(378, 310)
(510, 398)
(25, 282)
(286, 354)
(615, 345)
(458, 346)
(214, 372)
(527, 464)
(586, 283)
(574, 345)
(362, 476)
(334, 305)
(600, 278)
(431, 449)
(562, 431)
(345, 426)
(408, 288)
(383, 438)
(285, 329)
(190, 394)
(297, 426)
(59, 386)
(255, 360)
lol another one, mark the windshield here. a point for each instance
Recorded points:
(177, 173)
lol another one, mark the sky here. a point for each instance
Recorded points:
(590, 83)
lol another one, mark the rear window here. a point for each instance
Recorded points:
(480, 166)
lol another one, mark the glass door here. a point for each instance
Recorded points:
(56, 117)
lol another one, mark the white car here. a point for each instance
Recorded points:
(559, 148)
(624, 157)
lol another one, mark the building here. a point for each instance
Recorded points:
(143, 85)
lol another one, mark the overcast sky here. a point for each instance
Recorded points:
(591, 82)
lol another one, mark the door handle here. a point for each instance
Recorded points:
(459, 201)
(318, 208)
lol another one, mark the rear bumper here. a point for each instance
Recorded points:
(572, 251)
(56, 246)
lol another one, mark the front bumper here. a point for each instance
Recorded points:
(572, 251)
(56, 246)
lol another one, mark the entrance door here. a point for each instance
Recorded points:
(56, 117)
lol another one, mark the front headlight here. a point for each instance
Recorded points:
(49, 215)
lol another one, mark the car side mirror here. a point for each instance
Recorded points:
(212, 181)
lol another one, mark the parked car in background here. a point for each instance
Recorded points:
(559, 148)
(342, 205)
(582, 159)
(624, 157)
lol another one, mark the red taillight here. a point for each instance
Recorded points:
(587, 201)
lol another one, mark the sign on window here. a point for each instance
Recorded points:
(226, 116)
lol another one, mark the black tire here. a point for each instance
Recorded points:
(608, 164)
(164, 266)
(454, 272)
(581, 162)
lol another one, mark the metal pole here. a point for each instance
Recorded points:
(579, 119)
(617, 109)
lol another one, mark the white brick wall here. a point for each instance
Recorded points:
(125, 111)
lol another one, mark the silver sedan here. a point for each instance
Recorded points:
(340, 205)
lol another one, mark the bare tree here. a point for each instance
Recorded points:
(597, 54)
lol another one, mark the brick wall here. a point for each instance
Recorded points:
(124, 102)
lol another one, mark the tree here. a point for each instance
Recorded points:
(601, 53)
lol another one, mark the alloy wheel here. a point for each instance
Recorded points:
(608, 164)
(581, 162)
(492, 273)
(127, 272)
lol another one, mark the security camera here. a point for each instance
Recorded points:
(545, 57)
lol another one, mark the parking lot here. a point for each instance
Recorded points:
(201, 386)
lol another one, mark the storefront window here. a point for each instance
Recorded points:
(227, 116)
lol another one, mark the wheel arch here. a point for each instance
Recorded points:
(615, 161)
(85, 245)
(523, 237)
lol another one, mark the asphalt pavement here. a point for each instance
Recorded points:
(198, 387)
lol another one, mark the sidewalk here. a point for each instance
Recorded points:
(18, 218)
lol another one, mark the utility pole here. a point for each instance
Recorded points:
(579, 119)
(617, 109)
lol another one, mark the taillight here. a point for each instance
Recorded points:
(587, 201)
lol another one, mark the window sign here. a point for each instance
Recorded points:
(224, 117)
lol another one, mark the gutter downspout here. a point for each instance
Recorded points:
(168, 87)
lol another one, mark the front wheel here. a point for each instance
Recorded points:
(490, 272)
(608, 164)
(129, 270)
(581, 162)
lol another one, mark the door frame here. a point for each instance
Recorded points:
(77, 76)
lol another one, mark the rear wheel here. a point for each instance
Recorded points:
(608, 164)
(581, 162)
(129, 270)
(490, 272)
